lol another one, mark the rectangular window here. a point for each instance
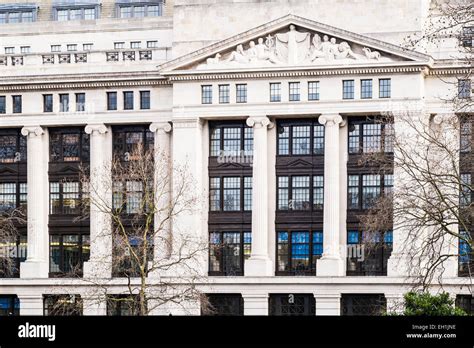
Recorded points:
(353, 192)
(125, 11)
(215, 194)
(275, 92)
(64, 102)
(299, 140)
(348, 89)
(466, 254)
(152, 9)
(467, 37)
(365, 89)
(248, 193)
(64, 198)
(128, 100)
(152, 44)
(111, 101)
(89, 14)
(144, 100)
(385, 88)
(80, 101)
(76, 13)
(295, 192)
(241, 93)
(55, 48)
(300, 193)
(370, 137)
(228, 251)
(119, 45)
(25, 49)
(294, 88)
(297, 252)
(130, 142)
(224, 94)
(72, 48)
(68, 253)
(370, 190)
(231, 194)
(313, 90)
(3, 104)
(466, 136)
(17, 104)
(47, 103)
(374, 262)
(464, 89)
(9, 50)
(318, 192)
(17, 16)
(69, 145)
(87, 47)
(231, 140)
(13, 147)
(135, 44)
(206, 94)
(466, 190)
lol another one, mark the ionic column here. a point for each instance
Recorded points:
(259, 263)
(331, 262)
(37, 262)
(163, 187)
(100, 261)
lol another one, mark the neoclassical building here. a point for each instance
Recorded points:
(270, 104)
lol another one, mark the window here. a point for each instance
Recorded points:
(68, 253)
(348, 89)
(135, 44)
(71, 48)
(128, 197)
(241, 93)
(227, 252)
(17, 104)
(128, 100)
(80, 102)
(464, 89)
(363, 304)
(206, 94)
(313, 90)
(297, 193)
(275, 92)
(466, 303)
(364, 190)
(467, 36)
(12, 146)
(466, 255)
(466, 190)
(385, 88)
(76, 13)
(25, 49)
(17, 15)
(62, 305)
(87, 47)
(368, 253)
(144, 100)
(47, 103)
(224, 94)
(297, 252)
(123, 305)
(12, 196)
(126, 263)
(111, 101)
(230, 194)
(151, 44)
(130, 141)
(13, 251)
(9, 305)
(224, 305)
(231, 140)
(466, 136)
(370, 137)
(119, 45)
(300, 139)
(9, 50)
(151, 9)
(3, 104)
(65, 198)
(64, 102)
(55, 48)
(365, 89)
(294, 88)
(292, 304)
(69, 145)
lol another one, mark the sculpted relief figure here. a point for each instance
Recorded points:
(291, 48)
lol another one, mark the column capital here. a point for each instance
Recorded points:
(96, 129)
(259, 122)
(35, 131)
(331, 120)
(445, 118)
(161, 126)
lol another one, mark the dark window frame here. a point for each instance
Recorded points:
(294, 91)
(241, 93)
(112, 101)
(313, 90)
(120, 136)
(145, 100)
(3, 104)
(224, 94)
(20, 152)
(366, 86)
(315, 128)
(244, 246)
(57, 154)
(64, 270)
(385, 88)
(206, 94)
(48, 102)
(348, 89)
(128, 104)
(17, 102)
(385, 141)
(384, 189)
(275, 93)
(64, 102)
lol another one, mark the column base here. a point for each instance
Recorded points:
(397, 266)
(95, 306)
(31, 304)
(258, 267)
(255, 304)
(330, 267)
(34, 269)
(97, 269)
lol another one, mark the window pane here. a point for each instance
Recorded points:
(231, 194)
(300, 193)
(301, 140)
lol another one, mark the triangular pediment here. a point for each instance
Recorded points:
(293, 41)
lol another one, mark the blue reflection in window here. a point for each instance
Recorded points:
(282, 237)
(300, 237)
(353, 237)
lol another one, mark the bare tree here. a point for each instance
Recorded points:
(430, 208)
(10, 222)
(149, 193)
